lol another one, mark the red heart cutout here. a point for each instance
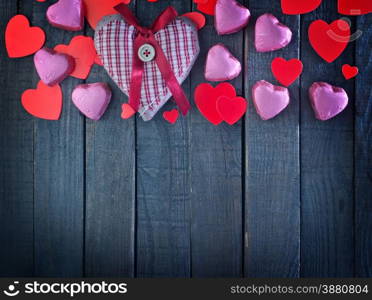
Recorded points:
(171, 116)
(349, 71)
(127, 111)
(206, 97)
(82, 49)
(45, 102)
(231, 109)
(207, 7)
(354, 7)
(21, 39)
(329, 40)
(197, 18)
(286, 72)
(297, 7)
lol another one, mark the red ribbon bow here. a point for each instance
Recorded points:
(147, 36)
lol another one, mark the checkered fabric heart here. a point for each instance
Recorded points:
(114, 43)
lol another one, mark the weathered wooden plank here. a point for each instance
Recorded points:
(216, 177)
(163, 213)
(110, 188)
(326, 166)
(272, 170)
(16, 158)
(59, 177)
(363, 151)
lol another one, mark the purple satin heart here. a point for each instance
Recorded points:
(269, 100)
(270, 34)
(67, 14)
(327, 100)
(53, 67)
(221, 65)
(92, 99)
(230, 16)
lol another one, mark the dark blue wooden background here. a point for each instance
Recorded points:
(290, 197)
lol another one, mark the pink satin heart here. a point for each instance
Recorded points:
(221, 65)
(230, 16)
(269, 100)
(327, 100)
(67, 14)
(270, 34)
(92, 99)
(53, 67)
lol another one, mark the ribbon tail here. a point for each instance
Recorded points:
(136, 78)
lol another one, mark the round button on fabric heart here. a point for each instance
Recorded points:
(146, 53)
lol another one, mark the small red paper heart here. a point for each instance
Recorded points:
(21, 39)
(232, 109)
(286, 72)
(206, 99)
(349, 71)
(297, 7)
(197, 18)
(207, 7)
(127, 111)
(354, 7)
(45, 102)
(82, 49)
(329, 40)
(171, 116)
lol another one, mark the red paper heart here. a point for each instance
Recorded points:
(286, 72)
(82, 49)
(354, 7)
(349, 71)
(127, 111)
(329, 40)
(171, 116)
(297, 7)
(231, 109)
(21, 39)
(45, 102)
(206, 99)
(95, 10)
(207, 7)
(197, 18)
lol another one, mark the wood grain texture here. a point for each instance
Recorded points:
(327, 246)
(163, 190)
(59, 176)
(110, 187)
(216, 176)
(16, 158)
(272, 170)
(363, 151)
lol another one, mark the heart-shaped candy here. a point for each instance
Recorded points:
(127, 111)
(221, 65)
(354, 7)
(21, 39)
(116, 51)
(270, 34)
(349, 71)
(53, 67)
(206, 97)
(45, 102)
(296, 7)
(230, 16)
(231, 109)
(329, 40)
(206, 6)
(67, 14)
(171, 116)
(92, 99)
(327, 100)
(286, 72)
(269, 100)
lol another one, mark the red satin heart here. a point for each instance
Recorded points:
(354, 7)
(297, 7)
(349, 71)
(207, 7)
(329, 40)
(127, 111)
(206, 97)
(286, 72)
(231, 109)
(171, 116)
(21, 39)
(45, 102)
